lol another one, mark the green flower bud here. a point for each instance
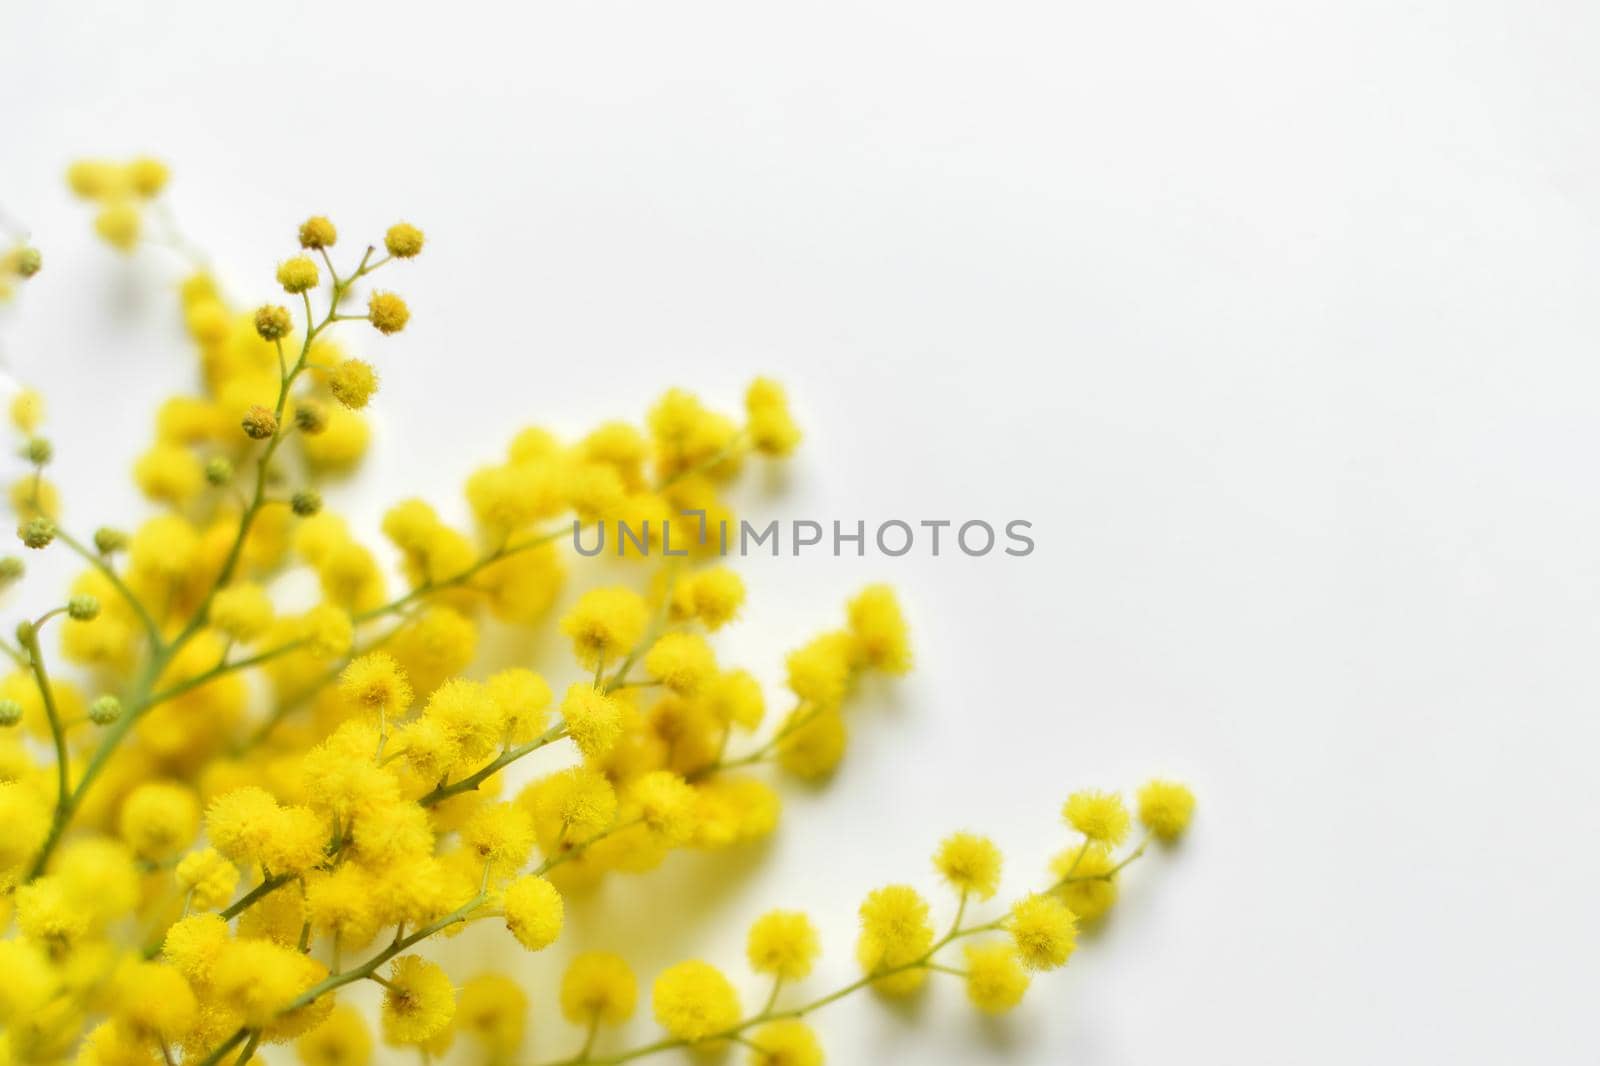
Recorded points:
(305, 503)
(37, 532)
(310, 419)
(10, 569)
(28, 262)
(83, 608)
(219, 471)
(10, 713)
(38, 451)
(105, 710)
(108, 541)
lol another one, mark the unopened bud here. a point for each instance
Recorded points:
(273, 322)
(108, 541)
(105, 710)
(305, 503)
(219, 471)
(10, 713)
(310, 419)
(37, 532)
(83, 608)
(259, 423)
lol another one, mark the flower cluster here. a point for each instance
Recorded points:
(221, 811)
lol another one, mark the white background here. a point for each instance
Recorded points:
(1275, 318)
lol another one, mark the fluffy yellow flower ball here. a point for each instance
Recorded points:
(785, 1043)
(970, 864)
(403, 240)
(298, 274)
(208, 876)
(493, 1011)
(1100, 816)
(533, 912)
(783, 944)
(376, 685)
(418, 1001)
(1089, 889)
(598, 986)
(1165, 808)
(387, 312)
(694, 1001)
(352, 383)
(895, 934)
(158, 819)
(996, 980)
(1044, 931)
(593, 719)
(605, 623)
(342, 1040)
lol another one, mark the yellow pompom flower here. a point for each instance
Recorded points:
(298, 274)
(605, 623)
(158, 819)
(533, 912)
(27, 411)
(118, 226)
(712, 596)
(258, 979)
(683, 662)
(501, 835)
(208, 877)
(418, 1001)
(790, 1042)
(572, 804)
(342, 1040)
(1165, 808)
(1044, 931)
(155, 1002)
(771, 427)
(598, 987)
(239, 821)
(387, 312)
(895, 935)
(783, 944)
(317, 232)
(813, 742)
(524, 701)
(147, 177)
(996, 981)
(352, 383)
(878, 630)
(48, 915)
(1100, 816)
(90, 179)
(403, 240)
(969, 863)
(1089, 888)
(820, 672)
(242, 611)
(193, 945)
(493, 1010)
(666, 804)
(376, 685)
(694, 1001)
(169, 473)
(593, 720)
(326, 631)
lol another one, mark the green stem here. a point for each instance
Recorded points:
(506, 758)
